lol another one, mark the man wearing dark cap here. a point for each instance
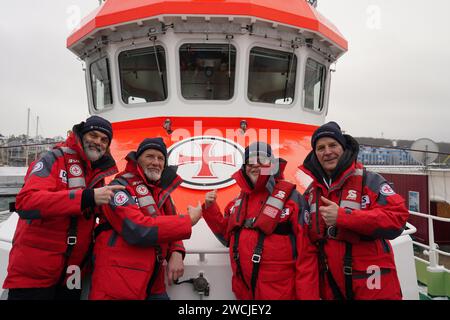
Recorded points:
(57, 207)
(140, 229)
(353, 214)
(263, 227)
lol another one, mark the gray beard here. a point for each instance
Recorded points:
(91, 154)
(151, 175)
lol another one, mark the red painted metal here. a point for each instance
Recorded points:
(296, 13)
(293, 146)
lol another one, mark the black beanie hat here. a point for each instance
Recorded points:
(152, 143)
(257, 148)
(99, 124)
(330, 129)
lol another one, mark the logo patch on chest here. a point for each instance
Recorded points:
(351, 195)
(142, 190)
(75, 170)
(280, 195)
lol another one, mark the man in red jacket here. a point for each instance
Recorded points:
(140, 229)
(353, 214)
(270, 253)
(57, 207)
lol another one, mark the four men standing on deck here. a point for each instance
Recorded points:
(281, 246)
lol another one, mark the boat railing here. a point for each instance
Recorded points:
(432, 247)
(411, 230)
(202, 253)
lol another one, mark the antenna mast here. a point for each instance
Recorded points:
(28, 135)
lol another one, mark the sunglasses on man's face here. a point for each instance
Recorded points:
(259, 159)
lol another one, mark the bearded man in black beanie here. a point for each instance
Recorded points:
(140, 229)
(57, 207)
(353, 214)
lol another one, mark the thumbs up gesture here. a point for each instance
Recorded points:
(195, 213)
(329, 211)
(210, 198)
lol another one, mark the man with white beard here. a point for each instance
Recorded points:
(57, 207)
(140, 229)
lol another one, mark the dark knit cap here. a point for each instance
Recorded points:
(257, 148)
(331, 130)
(152, 143)
(99, 124)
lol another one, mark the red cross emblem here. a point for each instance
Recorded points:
(75, 170)
(206, 159)
(120, 198)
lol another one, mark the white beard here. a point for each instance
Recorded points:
(152, 175)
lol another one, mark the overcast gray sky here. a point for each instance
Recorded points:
(394, 81)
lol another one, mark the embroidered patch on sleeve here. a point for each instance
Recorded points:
(37, 167)
(386, 190)
(120, 198)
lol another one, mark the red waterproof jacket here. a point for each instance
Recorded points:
(51, 195)
(142, 226)
(287, 261)
(370, 213)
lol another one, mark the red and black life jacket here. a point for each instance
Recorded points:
(266, 223)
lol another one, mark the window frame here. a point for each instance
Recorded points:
(325, 89)
(270, 46)
(119, 84)
(236, 72)
(91, 88)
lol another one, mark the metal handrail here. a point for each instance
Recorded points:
(411, 230)
(447, 254)
(428, 216)
(432, 246)
(208, 251)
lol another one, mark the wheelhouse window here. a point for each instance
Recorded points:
(101, 83)
(314, 88)
(272, 75)
(207, 71)
(143, 75)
